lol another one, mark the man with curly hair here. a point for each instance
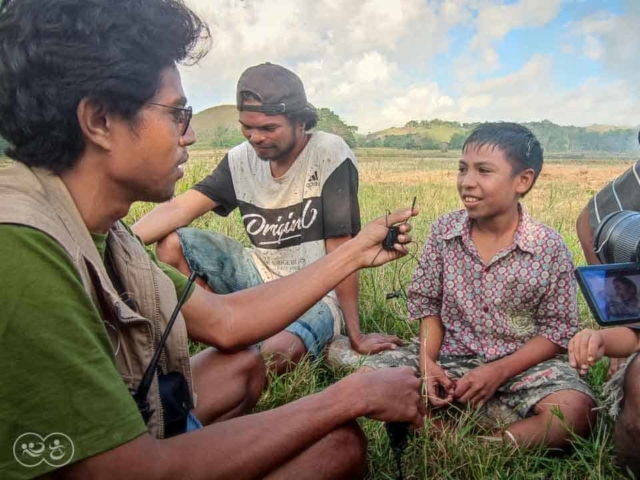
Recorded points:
(93, 108)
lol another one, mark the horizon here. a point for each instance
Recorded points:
(621, 127)
(569, 61)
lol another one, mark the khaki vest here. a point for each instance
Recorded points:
(40, 200)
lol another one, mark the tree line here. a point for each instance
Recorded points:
(420, 135)
(553, 137)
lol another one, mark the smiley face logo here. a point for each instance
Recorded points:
(31, 449)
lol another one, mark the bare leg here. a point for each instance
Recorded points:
(283, 351)
(545, 428)
(227, 385)
(339, 455)
(627, 428)
(169, 251)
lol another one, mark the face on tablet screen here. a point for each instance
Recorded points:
(613, 293)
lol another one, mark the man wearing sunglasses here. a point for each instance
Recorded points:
(92, 106)
(297, 192)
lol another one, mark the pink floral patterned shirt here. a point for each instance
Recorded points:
(492, 310)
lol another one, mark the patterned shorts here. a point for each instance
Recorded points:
(512, 401)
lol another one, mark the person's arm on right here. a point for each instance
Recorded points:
(172, 215)
(589, 346)
(252, 446)
(585, 235)
(622, 193)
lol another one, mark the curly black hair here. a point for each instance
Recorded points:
(54, 53)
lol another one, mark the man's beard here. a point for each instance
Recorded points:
(282, 153)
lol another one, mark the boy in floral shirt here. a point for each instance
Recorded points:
(495, 296)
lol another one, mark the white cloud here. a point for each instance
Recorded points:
(371, 61)
(528, 94)
(593, 48)
(494, 21)
(418, 102)
(349, 54)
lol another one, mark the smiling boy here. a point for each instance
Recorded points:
(496, 299)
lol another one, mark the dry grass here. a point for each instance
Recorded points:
(389, 180)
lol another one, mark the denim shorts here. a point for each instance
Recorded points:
(228, 267)
(193, 423)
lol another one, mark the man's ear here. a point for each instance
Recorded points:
(96, 124)
(525, 181)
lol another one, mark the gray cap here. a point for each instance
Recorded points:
(279, 90)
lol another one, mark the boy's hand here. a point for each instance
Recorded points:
(479, 385)
(370, 238)
(585, 349)
(436, 379)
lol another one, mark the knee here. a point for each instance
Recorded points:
(169, 249)
(581, 414)
(349, 445)
(285, 346)
(255, 371)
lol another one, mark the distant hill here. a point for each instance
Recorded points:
(440, 134)
(425, 135)
(218, 127)
(604, 128)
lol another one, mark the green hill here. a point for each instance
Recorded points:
(440, 134)
(603, 128)
(218, 127)
(424, 135)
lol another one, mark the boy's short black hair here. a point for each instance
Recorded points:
(54, 53)
(519, 145)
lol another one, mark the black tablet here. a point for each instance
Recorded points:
(612, 292)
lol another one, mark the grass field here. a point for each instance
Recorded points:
(389, 180)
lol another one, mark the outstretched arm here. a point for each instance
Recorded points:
(589, 346)
(241, 449)
(228, 322)
(169, 216)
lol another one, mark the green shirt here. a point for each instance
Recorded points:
(58, 374)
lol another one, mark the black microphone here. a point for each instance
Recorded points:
(398, 433)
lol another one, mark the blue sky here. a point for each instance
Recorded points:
(381, 63)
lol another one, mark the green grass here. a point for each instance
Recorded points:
(389, 180)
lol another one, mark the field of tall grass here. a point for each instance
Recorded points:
(389, 180)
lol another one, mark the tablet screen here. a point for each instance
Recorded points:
(612, 292)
